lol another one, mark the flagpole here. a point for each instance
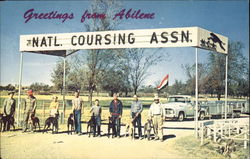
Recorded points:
(226, 87)
(196, 92)
(64, 81)
(19, 88)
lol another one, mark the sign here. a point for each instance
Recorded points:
(212, 41)
(145, 38)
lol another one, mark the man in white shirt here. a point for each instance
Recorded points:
(157, 113)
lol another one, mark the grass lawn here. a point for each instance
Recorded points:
(43, 102)
(191, 148)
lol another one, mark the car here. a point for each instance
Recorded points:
(182, 106)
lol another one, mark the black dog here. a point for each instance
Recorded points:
(71, 123)
(91, 126)
(54, 122)
(35, 121)
(111, 126)
(11, 121)
(4, 120)
(147, 129)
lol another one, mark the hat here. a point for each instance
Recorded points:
(30, 92)
(11, 92)
(54, 97)
(156, 97)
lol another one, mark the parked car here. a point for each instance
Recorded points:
(182, 106)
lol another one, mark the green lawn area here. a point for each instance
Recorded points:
(103, 103)
(42, 111)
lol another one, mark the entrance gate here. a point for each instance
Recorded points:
(66, 44)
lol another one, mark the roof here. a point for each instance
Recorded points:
(62, 53)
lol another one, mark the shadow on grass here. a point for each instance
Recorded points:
(165, 137)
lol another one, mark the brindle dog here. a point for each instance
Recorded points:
(147, 129)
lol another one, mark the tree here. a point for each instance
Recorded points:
(76, 80)
(95, 61)
(112, 81)
(139, 62)
(39, 87)
(147, 89)
(191, 74)
(177, 88)
(237, 71)
(9, 87)
(244, 85)
(57, 74)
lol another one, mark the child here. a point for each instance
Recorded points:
(96, 110)
(54, 106)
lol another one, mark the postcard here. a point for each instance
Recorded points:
(124, 79)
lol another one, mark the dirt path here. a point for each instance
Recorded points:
(15, 145)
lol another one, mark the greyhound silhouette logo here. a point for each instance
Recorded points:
(211, 41)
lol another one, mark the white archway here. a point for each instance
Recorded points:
(66, 44)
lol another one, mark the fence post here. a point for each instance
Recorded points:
(238, 128)
(202, 132)
(245, 137)
(208, 131)
(20, 122)
(215, 132)
(43, 111)
(61, 117)
(221, 129)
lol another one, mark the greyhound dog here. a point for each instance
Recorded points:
(111, 126)
(147, 129)
(4, 120)
(129, 128)
(53, 121)
(34, 121)
(71, 123)
(91, 125)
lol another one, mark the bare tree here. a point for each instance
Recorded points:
(139, 61)
(190, 72)
(94, 62)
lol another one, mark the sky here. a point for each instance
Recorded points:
(228, 18)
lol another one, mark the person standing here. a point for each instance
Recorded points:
(135, 113)
(97, 110)
(54, 107)
(29, 108)
(157, 113)
(9, 108)
(115, 109)
(77, 103)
